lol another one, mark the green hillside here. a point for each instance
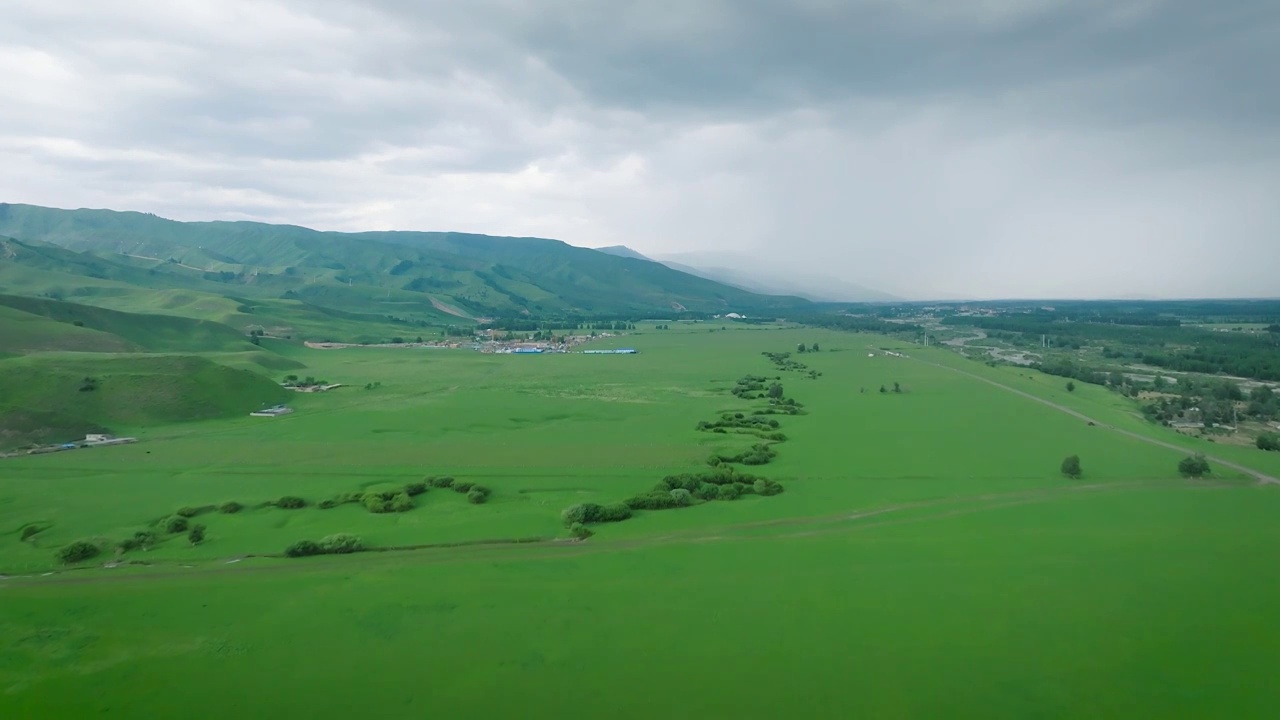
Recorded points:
(47, 393)
(406, 277)
(156, 333)
(22, 332)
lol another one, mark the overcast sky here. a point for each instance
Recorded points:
(928, 148)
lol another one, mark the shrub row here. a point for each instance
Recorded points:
(587, 513)
(759, 454)
(339, 544)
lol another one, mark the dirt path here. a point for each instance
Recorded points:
(1262, 478)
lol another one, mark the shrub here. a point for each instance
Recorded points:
(29, 531)
(78, 551)
(440, 481)
(401, 503)
(341, 544)
(614, 512)
(374, 503)
(580, 531)
(707, 491)
(196, 535)
(727, 492)
(303, 548)
(230, 507)
(652, 501)
(463, 487)
(328, 504)
(141, 539)
(416, 488)
(291, 502)
(574, 515)
(1268, 441)
(475, 497)
(682, 497)
(1194, 466)
(175, 524)
(767, 487)
(188, 512)
(1071, 466)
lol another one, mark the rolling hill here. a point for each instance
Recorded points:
(416, 278)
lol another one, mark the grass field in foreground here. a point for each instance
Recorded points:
(926, 559)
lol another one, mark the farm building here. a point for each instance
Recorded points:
(619, 351)
(527, 351)
(275, 411)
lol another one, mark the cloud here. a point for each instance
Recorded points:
(926, 147)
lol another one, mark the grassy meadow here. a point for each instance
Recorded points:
(926, 559)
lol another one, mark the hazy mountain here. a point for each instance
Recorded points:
(766, 277)
(622, 251)
(416, 277)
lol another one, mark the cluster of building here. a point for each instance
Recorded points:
(273, 411)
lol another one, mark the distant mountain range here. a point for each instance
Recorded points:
(293, 276)
(759, 276)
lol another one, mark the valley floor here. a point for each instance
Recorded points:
(925, 559)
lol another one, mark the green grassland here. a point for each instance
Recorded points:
(926, 558)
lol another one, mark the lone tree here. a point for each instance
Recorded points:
(1194, 466)
(196, 534)
(814, 348)
(883, 390)
(897, 388)
(801, 348)
(1071, 467)
(775, 391)
(1071, 386)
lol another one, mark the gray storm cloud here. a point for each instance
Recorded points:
(988, 148)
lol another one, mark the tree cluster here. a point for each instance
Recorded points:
(1268, 441)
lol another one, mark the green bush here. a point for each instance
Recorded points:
(196, 535)
(303, 548)
(682, 497)
(78, 551)
(475, 497)
(587, 513)
(707, 491)
(1194, 466)
(1268, 441)
(140, 540)
(440, 481)
(574, 515)
(463, 487)
(766, 487)
(652, 501)
(415, 488)
(328, 504)
(401, 503)
(580, 531)
(230, 507)
(1071, 466)
(175, 524)
(29, 532)
(188, 512)
(727, 492)
(291, 502)
(341, 544)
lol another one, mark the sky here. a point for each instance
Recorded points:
(926, 148)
